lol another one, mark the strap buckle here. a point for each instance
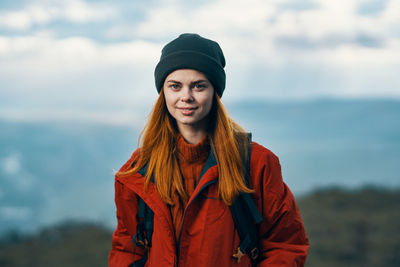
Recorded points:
(254, 253)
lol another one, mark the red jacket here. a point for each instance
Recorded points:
(208, 235)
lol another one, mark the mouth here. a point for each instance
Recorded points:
(187, 110)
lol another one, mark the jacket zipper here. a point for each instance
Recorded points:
(183, 219)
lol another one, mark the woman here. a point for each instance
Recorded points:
(189, 170)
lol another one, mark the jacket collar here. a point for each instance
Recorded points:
(136, 182)
(211, 162)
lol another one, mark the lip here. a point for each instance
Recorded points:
(187, 110)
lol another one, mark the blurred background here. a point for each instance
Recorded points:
(315, 81)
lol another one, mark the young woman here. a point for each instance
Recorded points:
(189, 170)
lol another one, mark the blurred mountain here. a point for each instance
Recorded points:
(63, 245)
(56, 170)
(328, 142)
(53, 171)
(349, 228)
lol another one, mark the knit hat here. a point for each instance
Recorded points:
(191, 51)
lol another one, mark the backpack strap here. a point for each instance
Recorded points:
(144, 228)
(144, 232)
(246, 216)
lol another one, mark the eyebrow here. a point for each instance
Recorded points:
(195, 82)
(200, 81)
(172, 81)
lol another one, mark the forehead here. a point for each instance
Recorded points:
(186, 75)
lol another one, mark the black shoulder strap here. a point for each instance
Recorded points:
(246, 216)
(144, 231)
(144, 228)
(255, 214)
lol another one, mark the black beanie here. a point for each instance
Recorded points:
(191, 51)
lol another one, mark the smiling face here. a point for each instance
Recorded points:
(189, 96)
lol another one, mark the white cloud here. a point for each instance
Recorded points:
(11, 164)
(267, 20)
(258, 24)
(275, 47)
(75, 11)
(18, 20)
(120, 31)
(79, 11)
(216, 17)
(391, 13)
(44, 55)
(76, 73)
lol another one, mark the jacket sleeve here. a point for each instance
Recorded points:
(283, 241)
(122, 253)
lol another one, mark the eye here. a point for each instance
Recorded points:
(173, 86)
(200, 86)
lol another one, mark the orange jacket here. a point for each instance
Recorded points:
(208, 236)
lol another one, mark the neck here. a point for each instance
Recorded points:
(192, 135)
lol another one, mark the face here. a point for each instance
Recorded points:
(189, 96)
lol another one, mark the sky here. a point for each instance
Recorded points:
(95, 59)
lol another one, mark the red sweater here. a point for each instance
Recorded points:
(191, 161)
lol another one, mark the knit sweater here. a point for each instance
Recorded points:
(191, 159)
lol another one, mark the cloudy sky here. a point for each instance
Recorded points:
(68, 58)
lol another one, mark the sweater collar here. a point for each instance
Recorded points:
(192, 153)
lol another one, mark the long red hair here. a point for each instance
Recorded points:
(158, 149)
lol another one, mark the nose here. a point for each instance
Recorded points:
(186, 94)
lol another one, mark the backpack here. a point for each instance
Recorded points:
(245, 215)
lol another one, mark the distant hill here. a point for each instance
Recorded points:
(352, 228)
(346, 228)
(65, 245)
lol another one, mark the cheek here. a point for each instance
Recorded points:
(171, 110)
(169, 101)
(207, 103)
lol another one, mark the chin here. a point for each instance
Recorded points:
(187, 122)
